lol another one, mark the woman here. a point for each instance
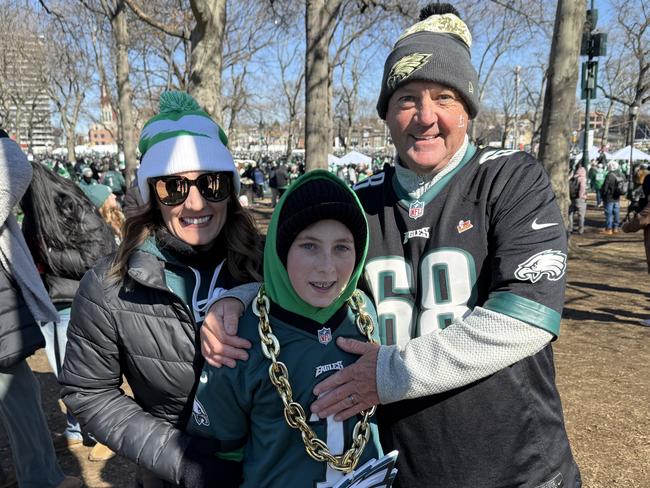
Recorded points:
(107, 205)
(66, 236)
(138, 314)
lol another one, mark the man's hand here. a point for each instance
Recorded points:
(352, 389)
(219, 342)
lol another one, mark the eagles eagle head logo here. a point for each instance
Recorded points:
(549, 263)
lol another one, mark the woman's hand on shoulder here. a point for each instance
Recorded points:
(220, 344)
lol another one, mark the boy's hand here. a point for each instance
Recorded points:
(352, 389)
(219, 342)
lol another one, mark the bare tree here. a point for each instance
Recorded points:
(68, 79)
(348, 96)
(559, 100)
(216, 44)
(627, 70)
(292, 87)
(321, 21)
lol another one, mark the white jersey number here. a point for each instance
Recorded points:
(446, 278)
(336, 445)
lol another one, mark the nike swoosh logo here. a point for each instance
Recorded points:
(537, 226)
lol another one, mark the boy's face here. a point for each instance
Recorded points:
(321, 261)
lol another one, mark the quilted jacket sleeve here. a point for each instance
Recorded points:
(92, 380)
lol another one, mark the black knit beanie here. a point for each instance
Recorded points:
(435, 49)
(315, 200)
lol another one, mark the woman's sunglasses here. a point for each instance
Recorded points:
(173, 190)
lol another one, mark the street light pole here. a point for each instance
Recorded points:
(634, 112)
(517, 71)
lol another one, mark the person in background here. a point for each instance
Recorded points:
(108, 207)
(598, 180)
(66, 236)
(137, 314)
(258, 182)
(642, 221)
(24, 302)
(115, 181)
(87, 178)
(611, 195)
(578, 198)
(282, 177)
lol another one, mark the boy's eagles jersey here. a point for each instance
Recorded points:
(241, 407)
(488, 234)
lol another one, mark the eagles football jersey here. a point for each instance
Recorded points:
(241, 407)
(488, 234)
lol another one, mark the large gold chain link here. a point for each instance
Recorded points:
(293, 411)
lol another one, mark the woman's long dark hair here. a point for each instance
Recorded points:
(59, 216)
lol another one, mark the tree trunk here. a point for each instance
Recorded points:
(207, 51)
(560, 97)
(69, 143)
(318, 124)
(124, 91)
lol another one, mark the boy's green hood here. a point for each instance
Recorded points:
(276, 279)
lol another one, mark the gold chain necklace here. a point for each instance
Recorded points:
(293, 411)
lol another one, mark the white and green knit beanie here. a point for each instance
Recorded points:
(182, 137)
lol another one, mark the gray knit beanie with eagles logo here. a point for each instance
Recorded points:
(436, 49)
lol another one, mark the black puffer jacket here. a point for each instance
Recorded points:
(141, 330)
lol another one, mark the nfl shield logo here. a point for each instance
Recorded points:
(325, 336)
(416, 209)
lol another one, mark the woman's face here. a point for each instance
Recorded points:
(196, 221)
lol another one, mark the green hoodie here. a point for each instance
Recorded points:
(276, 279)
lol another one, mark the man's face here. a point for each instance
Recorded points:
(428, 123)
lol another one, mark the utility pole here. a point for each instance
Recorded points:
(593, 45)
(634, 112)
(517, 71)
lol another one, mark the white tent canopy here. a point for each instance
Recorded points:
(593, 152)
(637, 154)
(332, 160)
(355, 158)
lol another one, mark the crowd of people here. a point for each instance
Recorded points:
(395, 324)
(609, 181)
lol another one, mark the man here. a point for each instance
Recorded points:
(466, 266)
(87, 178)
(115, 181)
(578, 196)
(611, 193)
(281, 178)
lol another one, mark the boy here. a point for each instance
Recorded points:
(314, 255)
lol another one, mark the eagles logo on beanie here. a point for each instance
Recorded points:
(182, 137)
(435, 49)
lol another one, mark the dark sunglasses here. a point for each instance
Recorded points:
(173, 190)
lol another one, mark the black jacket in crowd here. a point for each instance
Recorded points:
(608, 190)
(95, 239)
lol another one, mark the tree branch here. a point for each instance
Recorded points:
(167, 29)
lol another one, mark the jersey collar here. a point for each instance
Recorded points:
(429, 191)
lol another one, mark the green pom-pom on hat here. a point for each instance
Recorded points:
(176, 101)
